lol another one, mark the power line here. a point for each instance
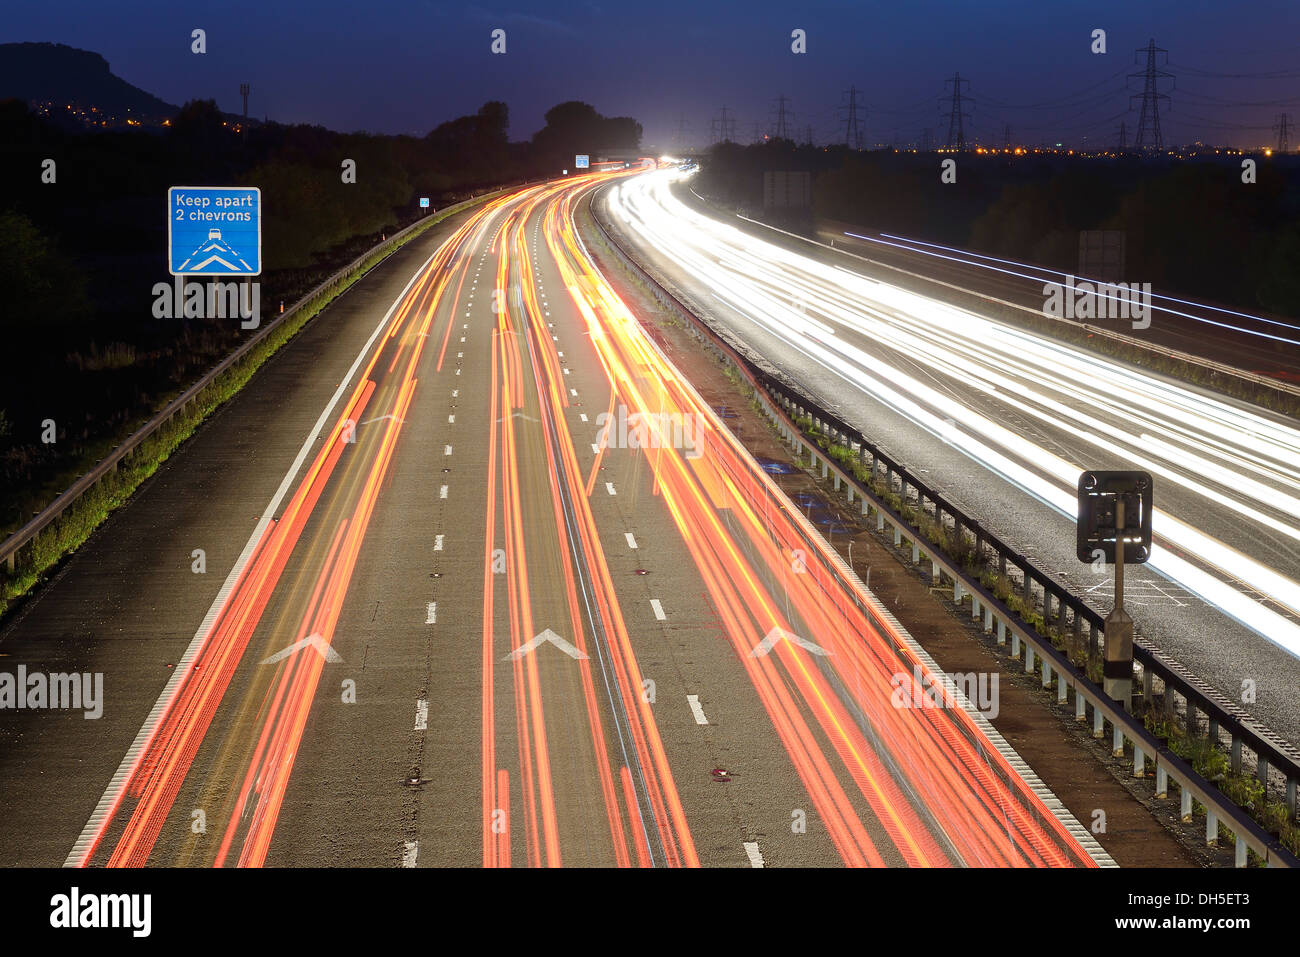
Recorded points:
(1149, 135)
(1268, 75)
(722, 129)
(956, 115)
(782, 131)
(852, 128)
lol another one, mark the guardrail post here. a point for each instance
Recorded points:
(1117, 741)
(1139, 761)
(1290, 796)
(1185, 803)
(898, 535)
(1098, 722)
(1236, 754)
(988, 619)
(1002, 632)
(1080, 706)
(1029, 659)
(1047, 673)
(1162, 780)
(1062, 688)
(916, 554)
(1015, 644)
(1212, 731)
(1242, 852)
(1211, 827)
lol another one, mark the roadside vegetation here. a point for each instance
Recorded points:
(79, 256)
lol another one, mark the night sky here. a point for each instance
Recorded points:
(406, 66)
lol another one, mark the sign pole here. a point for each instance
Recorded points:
(1118, 668)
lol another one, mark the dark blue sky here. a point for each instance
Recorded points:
(405, 66)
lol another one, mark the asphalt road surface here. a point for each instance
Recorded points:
(483, 581)
(1003, 421)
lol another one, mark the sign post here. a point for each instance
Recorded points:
(214, 230)
(1115, 526)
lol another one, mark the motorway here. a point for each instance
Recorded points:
(487, 583)
(1254, 343)
(1003, 421)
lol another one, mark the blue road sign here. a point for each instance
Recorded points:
(214, 230)
(424, 202)
(582, 161)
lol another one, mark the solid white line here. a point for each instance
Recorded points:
(118, 782)
(421, 714)
(410, 852)
(658, 609)
(631, 541)
(755, 857)
(431, 613)
(694, 701)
